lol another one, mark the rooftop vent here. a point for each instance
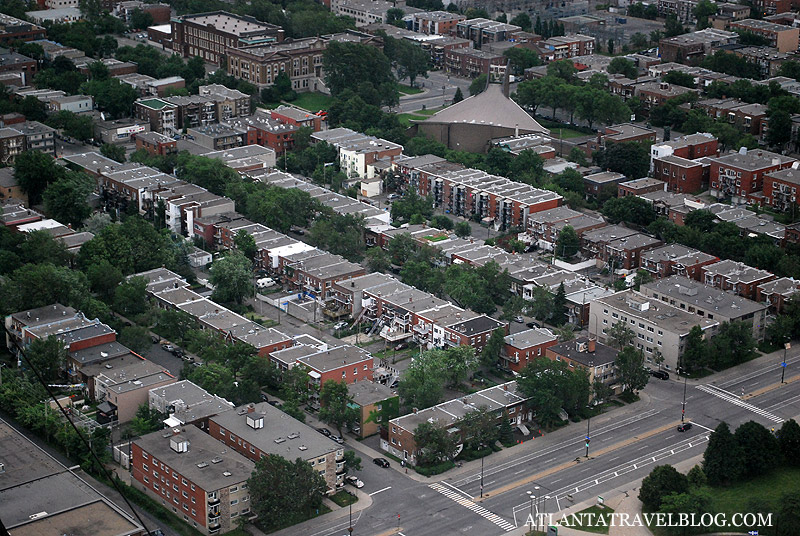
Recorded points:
(202, 465)
(216, 460)
(280, 440)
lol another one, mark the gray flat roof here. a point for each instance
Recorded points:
(573, 350)
(703, 296)
(366, 393)
(205, 463)
(656, 312)
(281, 434)
(43, 315)
(333, 358)
(530, 337)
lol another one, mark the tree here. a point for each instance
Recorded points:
(679, 78)
(283, 493)
(732, 344)
(111, 95)
(294, 386)
(351, 461)
(340, 234)
(479, 429)
(601, 391)
(620, 335)
(104, 278)
(394, 16)
(623, 66)
(702, 11)
(789, 442)
(696, 477)
(760, 449)
(632, 159)
(788, 517)
(65, 200)
(631, 371)
(210, 173)
(232, 278)
(337, 408)
(779, 131)
(146, 420)
(378, 260)
(33, 171)
(611, 46)
(463, 229)
(553, 385)
(629, 209)
(563, 69)
(422, 384)
(478, 85)
(559, 314)
(673, 27)
(521, 59)
(141, 19)
(135, 337)
(246, 244)
(410, 204)
(45, 358)
(411, 60)
(639, 40)
(130, 297)
(363, 70)
(114, 152)
(523, 20)
(434, 444)
(723, 461)
(695, 354)
(493, 347)
(40, 246)
(459, 96)
(662, 481)
(567, 243)
(693, 503)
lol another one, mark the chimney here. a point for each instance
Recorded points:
(251, 408)
(505, 387)
(415, 410)
(591, 346)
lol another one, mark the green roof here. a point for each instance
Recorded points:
(156, 104)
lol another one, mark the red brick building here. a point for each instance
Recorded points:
(156, 144)
(777, 292)
(680, 174)
(195, 476)
(297, 117)
(740, 175)
(622, 133)
(525, 347)
(436, 22)
(640, 186)
(691, 146)
(587, 354)
(349, 364)
(780, 189)
(676, 259)
(736, 277)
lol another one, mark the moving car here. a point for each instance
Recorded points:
(660, 374)
(685, 427)
(354, 481)
(381, 462)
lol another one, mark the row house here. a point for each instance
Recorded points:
(781, 37)
(481, 31)
(185, 403)
(682, 175)
(193, 111)
(780, 188)
(543, 227)
(18, 323)
(658, 327)
(625, 253)
(197, 477)
(772, 7)
(596, 183)
(211, 35)
(259, 430)
(297, 117)
(735, 277)
(229, 102)
(567, 46)
(585, 353)
(357, 151)
(372, 400)
(218, 137)
(504, 401)
(692, 48)
(727, 13)
(655, 94)
(691, 147)
(622, 133)
(436, 22)
(739, 175)
(767, 58)
(249, 158)
(156, 144)
(525, 347)
(469, 192)
(14, 29)
(471, 63)
(672, 206)
(641, 186)
(593, 242)
(708, 302)
(776, 293)
(746, 117)
(675, 259)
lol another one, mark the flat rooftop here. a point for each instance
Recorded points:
(655, 312)
(702, 296)
(531, 337)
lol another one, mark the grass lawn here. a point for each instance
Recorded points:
(767, 488)
(566, 133)
(577, 522)
(313, 101)
(408, 90)
(405, 119)
(344, 498)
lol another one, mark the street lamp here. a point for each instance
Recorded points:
(350, 527)
(481, 449)
(786, 346)
(588, 437)
(683, 407)
(532, 497)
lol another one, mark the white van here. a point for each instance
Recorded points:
(265, 282)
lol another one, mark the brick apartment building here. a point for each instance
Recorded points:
(675, 259)
(197, 477)
(471, 63)
(740, 175)
(640, 186)
(680, 174)
(735, 277)
(784, 38)
(258, 430)
(525, 347)
(622, 133)
(567, 46)
(585, 353)
(357, 151)
(156, 144)
(14, 29)
(780, 189)
(210, 35)
(692, 48)
(777, 292)
(481, 31)
(691, 146)
(436, 22)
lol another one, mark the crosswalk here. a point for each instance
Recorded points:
(478, 509)
(733, 399)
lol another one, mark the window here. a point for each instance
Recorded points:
(192, 487)
(614, 315)
(194, 512)
(193, 500)
(183, 481)
(144, 455)
(233, 489)
(175, 487)
(186, 507)
(185, 494)
(155, 486)
(146, 480)
(145, 468)
(234, 502)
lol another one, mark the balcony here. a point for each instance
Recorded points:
(213, 501)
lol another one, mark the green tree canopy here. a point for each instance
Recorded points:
(232, 278)
(631, 371)
(434, 444)
(723, 461)
(662, 481)
(337, 407)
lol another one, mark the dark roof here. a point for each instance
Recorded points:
(602, 354)
(479, 324)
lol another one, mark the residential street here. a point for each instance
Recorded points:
(625, 446)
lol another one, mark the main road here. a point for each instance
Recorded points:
(625, 445)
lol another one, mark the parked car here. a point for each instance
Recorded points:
(392, 197)
(168, 347)
(685, 427)
(339, 325)
(297, 230)
(155, 338)
(264, 398)
(337, 438)
(519, 319)
(265, 282)
(401, 346)
(380, 462)
(324, 431)
(660, 374)
(533, 325)
(354, 481)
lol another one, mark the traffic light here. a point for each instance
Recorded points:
(587, 440)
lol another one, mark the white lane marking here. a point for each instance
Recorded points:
(380, 490)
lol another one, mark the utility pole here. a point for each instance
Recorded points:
(588, 437)
(786, 346)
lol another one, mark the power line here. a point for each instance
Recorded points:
(81, 436)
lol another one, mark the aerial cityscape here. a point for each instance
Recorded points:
(408, 267)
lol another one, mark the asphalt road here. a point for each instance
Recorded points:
(625, 446)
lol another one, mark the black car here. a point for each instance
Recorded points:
(264, 398)
(324, 431)
(532, 325)
(297, 230)
(660, 374)
(685, 427)
(381, 462)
